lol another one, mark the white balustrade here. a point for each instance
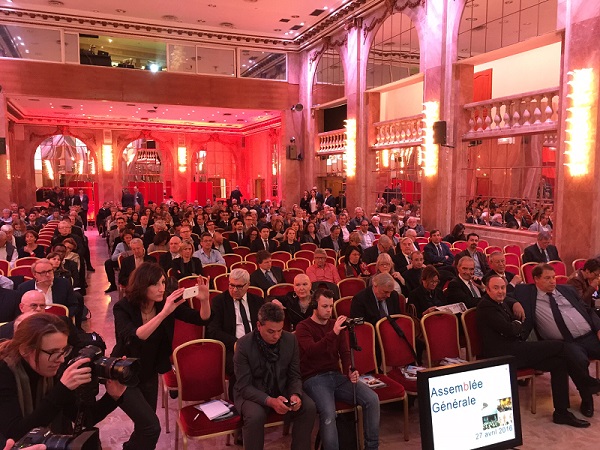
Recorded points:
(403, 131)
(332, 141)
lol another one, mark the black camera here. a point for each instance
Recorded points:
(125, 371)
(351, 321)
(87, 440)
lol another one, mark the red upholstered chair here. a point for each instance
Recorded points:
(395, 351)
(23, 271)
(440, 330)
(561, 279)
(513, 248)
(290, 274)
(462, 245)
(475, 350)
(183, 332)
(483, 244)
(247, 265)
(211, 294)
(222, 283)
(578, 264)
(306, 254)
(526, 270)
(308, 246)
(233, 244)
(280, 290)
(341, 307)
(213, 270)
(422, 240)
(491, 249)
(372, 268)
(278, 263)
(157, 254)
(365, 362)
(27, 261)
(351, 286)
(281, 256)
(242, 251)
(251, 257)
(231, 258)
(256, 291)
(187, 282)
(332, 253)
(403, 302)
(455, 251)
(514, 269)
(559, 267)
(57, 309)
(422, 245)
(512, 259)
(200, 371)
(298, 263)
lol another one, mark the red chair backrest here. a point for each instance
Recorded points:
(351, 286)
(422, 245)
(455, 251)
(395, 351)
(578, 264)
(491, 249)
(483, 244)
(281, 256)
(185, 332)
(402, 301)
(157, 254)
(27, 261)
(462, 245)
(512, 259)
(222, 283)
(200, 370)
(290, 274)
(526, 270)
(307, 254)
(247, 265)
(441, 336)
(280, 290)
(372, 268)
(331, 252)
(187, 282)
(474, 347)
(513, 248)
(298, 263)
(308, 246)
(213, 270)
(231, 258)
(341, 307)
(57, 310)
(278, 263)
(242, 251)
(561, 279)
(559, 267)
(250, 257)
(365, 361)
(23, 270)
(256, 291)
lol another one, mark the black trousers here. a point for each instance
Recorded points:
(139, 403)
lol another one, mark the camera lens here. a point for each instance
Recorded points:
(124, 371)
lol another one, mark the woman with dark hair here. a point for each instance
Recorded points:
(31, 394)
(31, 248)
(160, 242)
(457, 234)
(289, 244)
(187, 265)
(251, 236)
(310, 234)
(276, 232)
(390, 231)
(354, 265)
(304, 201)
(135, 218)
(427, 296)
(144, 326)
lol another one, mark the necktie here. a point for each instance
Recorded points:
(558, 318)
(473, 289)
(382, 312)
(270, 277)
(546, 257)
(244, 315)
(240, 237)
(439, 250)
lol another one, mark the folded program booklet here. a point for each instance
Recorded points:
(215, 409)
(454, 308)
(371, 381)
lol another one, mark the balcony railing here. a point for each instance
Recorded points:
(508, 116)
(407, 131)
(332, 142)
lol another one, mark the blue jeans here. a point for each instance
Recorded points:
(328, 387)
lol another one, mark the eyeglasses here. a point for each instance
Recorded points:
(57, 355)
(238, 286)
(35, 306)
(45, 273)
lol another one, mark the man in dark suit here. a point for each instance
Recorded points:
(55, 290)
(334, 240)
(138, 198)
(85, 205)
(185, 233)
(127, 199)
(377, 301)
(221, 244)
(267, 369)
(329, 199)
(237, 195)
(384, 245)
(71, 200)
(266, 275)
(234, 314)
(263, 242)
(497, 262)
(542, 251)
(237, 234)
(556, 313)
(463, 289)
(402, 258)
(438, 254)
(167, 258)
(9, 304)
(130, 263)
(502, 334)
(481, 265)
(224, 221)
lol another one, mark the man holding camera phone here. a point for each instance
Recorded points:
(322, 346)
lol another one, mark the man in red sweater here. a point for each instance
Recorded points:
(323, 343)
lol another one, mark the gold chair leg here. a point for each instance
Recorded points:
(406, 432)
(533, 397)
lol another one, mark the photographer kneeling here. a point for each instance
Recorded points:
(31, 395)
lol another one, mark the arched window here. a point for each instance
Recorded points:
(62, 159)
(395, 52)
(328, 83)
(142, 161)
(487, 25)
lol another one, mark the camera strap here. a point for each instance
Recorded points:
(402, 337)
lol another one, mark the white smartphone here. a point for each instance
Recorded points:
(190, 292)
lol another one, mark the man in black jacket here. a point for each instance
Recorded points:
(130, 263)
(502, 334)
(542, 251)
(266, 275)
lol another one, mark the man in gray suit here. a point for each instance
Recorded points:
(267, 369)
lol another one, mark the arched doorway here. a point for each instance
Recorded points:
(143, 165)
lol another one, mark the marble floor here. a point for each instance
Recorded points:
(538, 430)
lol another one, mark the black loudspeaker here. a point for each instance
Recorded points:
(439, 132)
(2, 146)
(151, 145)
(292, 151)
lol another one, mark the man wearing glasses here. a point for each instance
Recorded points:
(57, 290)
(234, 314)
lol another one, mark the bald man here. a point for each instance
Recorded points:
(31, 302)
